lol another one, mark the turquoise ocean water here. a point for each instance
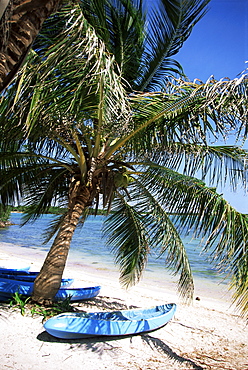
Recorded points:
(88, 246)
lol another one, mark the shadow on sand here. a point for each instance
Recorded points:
(103, 303)
(94, 344)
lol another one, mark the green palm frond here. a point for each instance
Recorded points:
(202, 210)
(136, 230)
(159, 124)
(52, 27)
(218, 165)
(57, 221)
(89, 85)
(13, 178)
(39, 181)
(53, 227)
(239, 285)
(169, 24)
(141, 39)
(164, 236)
(188, 113)
(50, 187)
(120, 24)
(128, 239)
(95, 72)
(72, 115)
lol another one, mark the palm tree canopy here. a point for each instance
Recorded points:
(85, 116)
(144, 35)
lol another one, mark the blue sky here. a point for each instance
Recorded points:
(218, 45)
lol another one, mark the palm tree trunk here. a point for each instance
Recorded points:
(19, 25)
(48, 281)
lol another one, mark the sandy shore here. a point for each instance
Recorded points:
(208, 334)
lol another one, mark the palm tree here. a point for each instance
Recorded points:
(22, 20)
(88, 127)
(20, 23)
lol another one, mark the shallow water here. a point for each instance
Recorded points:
(88, 247)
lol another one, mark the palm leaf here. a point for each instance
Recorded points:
(187, 113)
(40, 181)
(218, 165)
(164, 236)
(120, 24)
(128, 239)
(169, 25)
(202, 210)
(135, 231)
(56, 223)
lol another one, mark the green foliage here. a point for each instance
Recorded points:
(25, 303)
(51, 210)
(4, 213)
(145, 153)
(19, 301)
(55, 309)
(24, 209)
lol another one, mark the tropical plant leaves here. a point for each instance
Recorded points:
(75, 115)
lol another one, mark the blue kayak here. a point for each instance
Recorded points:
(14, 270)
(8, 287)
(77, 294)
(117, 323)
(31, 277)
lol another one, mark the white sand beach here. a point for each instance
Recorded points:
(208, 334)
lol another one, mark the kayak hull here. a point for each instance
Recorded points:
(118, 323)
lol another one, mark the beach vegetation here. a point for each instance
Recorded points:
(100, 115)
(19, 301)
(25, 304)
(56, 308)
(25, 209)
(50, 210)
(4, 215)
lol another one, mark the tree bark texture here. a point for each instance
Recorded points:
(48, 281)
(20, 24)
